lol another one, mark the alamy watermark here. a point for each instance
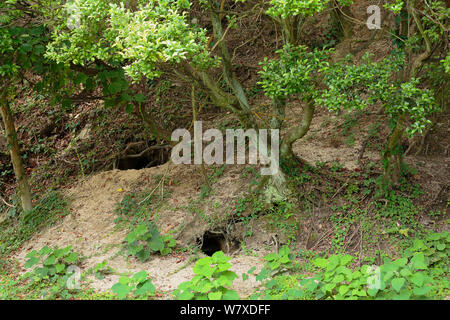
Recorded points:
(73, 282)
(374, 20)
(222, 149)
(74, 15)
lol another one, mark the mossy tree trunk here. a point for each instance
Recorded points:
(393, 153)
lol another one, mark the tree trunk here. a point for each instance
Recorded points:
(279, 186)
(342, 16)
(392, 157)
(297, 132)
(13, 146)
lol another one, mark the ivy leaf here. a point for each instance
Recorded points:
(60, 267)
(270, 257)
(400, 262)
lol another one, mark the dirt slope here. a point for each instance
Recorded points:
(91, 230)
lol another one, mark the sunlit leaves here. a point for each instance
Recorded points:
(294, 72)
(139, 39)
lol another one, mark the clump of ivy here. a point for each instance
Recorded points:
(19, 227)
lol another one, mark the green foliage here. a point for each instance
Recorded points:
(277, 261)
(435, 247)
(100, 270)
(446, 63)
(145, 239)
(399, 279)
(282, 217)
(354, 86)
(139, 38)
(16, 230)
(14, 286)
(395, 6)
(288, 8)
(139, 286)
(294, 73)
(51, 270)
(211, 281)
(272, 274)
(398, 207)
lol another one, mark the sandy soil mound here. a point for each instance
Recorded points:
(90, 229)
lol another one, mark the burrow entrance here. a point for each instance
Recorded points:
(141, 154)
(213, 241)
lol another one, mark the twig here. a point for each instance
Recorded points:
(160, 181)
(8, 204)
(339, 190)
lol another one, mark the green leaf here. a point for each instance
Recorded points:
(343, 290)
(60, 267)
(405, 272)
(271, 256)
(146, 288)
(44, 251)
(417, 279)
(140, 276)
(418, 261)
(346, 259)
(230, 295)
(51, 260)
(31, 262)
(214, 295)
(72, 257)
(121, 290)
(421, 291)
(274, 265)
(339, 278)
(400, 262)
(397, 283)
(186, 295)
(31, 254)
(320, 262)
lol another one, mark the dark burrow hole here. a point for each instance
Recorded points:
(216, 241)
(143, 156)
(212, 242)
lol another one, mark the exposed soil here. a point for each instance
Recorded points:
(90, 228)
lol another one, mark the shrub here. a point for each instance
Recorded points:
(211, 281)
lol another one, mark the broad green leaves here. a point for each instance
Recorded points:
(211, 281)
(145, 239)
(52, 269)
(139, 286)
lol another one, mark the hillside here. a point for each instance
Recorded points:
(363, 179)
